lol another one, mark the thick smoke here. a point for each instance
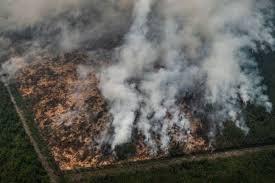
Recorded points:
(63, 25)
(195, 52)
(24, 13)
(179, 59)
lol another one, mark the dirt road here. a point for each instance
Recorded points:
(51, 173)
(156, 164)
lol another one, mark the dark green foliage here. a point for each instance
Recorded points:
(175, 150)
(252, 168)
(125, 151)
(231, 136)
(26, 108)
(262, 126)
(18, 160)
(260, 123)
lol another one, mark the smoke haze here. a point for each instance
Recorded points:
(181, 50)
(174, 53)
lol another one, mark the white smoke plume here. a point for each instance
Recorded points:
(175, 53)
(18, 13)
(63, 25)
(187, 49)
(10, 68)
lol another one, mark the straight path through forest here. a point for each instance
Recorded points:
(75, 176)
(50, 171)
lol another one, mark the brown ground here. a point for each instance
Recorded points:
(72, 114)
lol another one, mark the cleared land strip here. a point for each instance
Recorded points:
(75, 176)
(51, 173)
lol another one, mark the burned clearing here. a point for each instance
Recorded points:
(110, 86)
(72, 114)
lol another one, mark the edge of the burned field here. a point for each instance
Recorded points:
(30, 120)
(86, 175)
(78, 175)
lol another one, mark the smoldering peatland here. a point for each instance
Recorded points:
(173, 61)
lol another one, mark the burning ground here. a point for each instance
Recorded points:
(72, 114)
(140, 79)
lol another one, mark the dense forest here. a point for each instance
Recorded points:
(252, 168)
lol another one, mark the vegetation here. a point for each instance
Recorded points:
(26, 108)
(258, 167)
(125, 151)
(18, 159)
(260, 123)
